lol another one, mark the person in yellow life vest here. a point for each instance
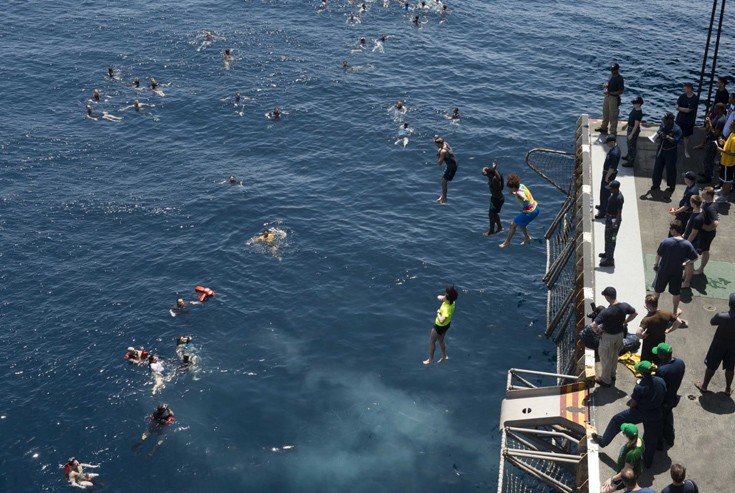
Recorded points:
(441, 324)
(727, 163)
(529, 209)
(266, 237)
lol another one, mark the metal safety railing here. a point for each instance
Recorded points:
(560, 169)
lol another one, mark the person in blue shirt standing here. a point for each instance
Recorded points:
(686, 107)
(668, 135)
(609, 172)
(633, 130)
(672, 371)
(673, 252)
(644, 407)
(613, 216)
(684, 211)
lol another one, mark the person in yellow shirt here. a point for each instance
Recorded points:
(727, 163)
(441, 324)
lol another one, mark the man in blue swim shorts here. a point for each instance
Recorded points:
(529, 209)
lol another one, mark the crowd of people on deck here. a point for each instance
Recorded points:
(690, 235)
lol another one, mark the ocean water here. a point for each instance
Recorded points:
(310, 376)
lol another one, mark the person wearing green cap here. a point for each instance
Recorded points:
(672, 371)
(629, 457)
(644, 407)
(722, 349)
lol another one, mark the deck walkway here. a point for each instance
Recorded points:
(704, 423)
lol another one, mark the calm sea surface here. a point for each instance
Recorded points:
(311, 376)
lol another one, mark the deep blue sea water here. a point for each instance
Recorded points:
(317, 348)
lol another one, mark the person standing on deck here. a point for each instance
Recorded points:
(495, 183)
(684, 211)
(613, 216)
(686, 115)
(613, 88)
(633, 130)
(692, 233)
(614, 320)
(673, 252)
(654, 327)
(722, 349)
(711, 214)
(727, 164)
(668, 135)
(672, 371)
(609, 172)
(714, 124)
(644, 407)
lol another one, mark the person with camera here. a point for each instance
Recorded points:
(669, 135)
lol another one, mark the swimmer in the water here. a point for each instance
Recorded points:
(380, 43)
(136, 84)
(363, 8)
(266, 237)
(181, 306)
(96, 95)
(137, 106)
(188, 361)
(406, 6)
(137, 356)
(183, 343)
(275, 114)
(227, 58)
(361, 44)
(398, 107)
(158, 421)
(353, 19)
(105, 115)
(76, 475)
(208, 40)
(454, 115)
(416, 21)
(444, 13)
(110, 73)
(346, 65)
(403, 132)
(323, 6)
(234, 181)
(155, 87)
(156, 367)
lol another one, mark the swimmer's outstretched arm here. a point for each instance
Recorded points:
(90, 465)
